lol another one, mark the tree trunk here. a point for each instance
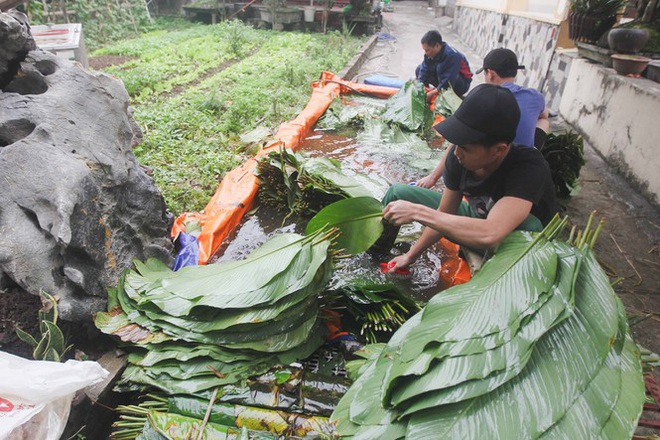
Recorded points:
(647, 17)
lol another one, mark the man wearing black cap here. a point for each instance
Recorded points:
(500, 68)
(507, 186)
(443, 66)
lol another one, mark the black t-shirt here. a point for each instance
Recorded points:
(524, 173)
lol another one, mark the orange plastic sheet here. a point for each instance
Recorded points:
(236, 193)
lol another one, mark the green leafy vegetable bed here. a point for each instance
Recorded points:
(196, 90)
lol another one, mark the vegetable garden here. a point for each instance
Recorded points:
(196, 91)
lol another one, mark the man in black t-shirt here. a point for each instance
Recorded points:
(507, 187)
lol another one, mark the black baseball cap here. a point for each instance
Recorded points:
(501, 60)
(489, 113)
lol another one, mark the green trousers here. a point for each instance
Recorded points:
(431, 199)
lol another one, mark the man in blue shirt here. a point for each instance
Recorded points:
(500, 68)
(443, 66)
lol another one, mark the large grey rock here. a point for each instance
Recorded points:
(15, 42)
(75, 207)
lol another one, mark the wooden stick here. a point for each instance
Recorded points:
(628, 260)
(208, 413)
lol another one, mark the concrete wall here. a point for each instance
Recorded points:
(618, 116)
(555, 80)
(532, 40)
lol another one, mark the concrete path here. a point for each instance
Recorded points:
(399, 58)
(629, 244)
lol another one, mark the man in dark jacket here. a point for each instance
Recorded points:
(443, 66)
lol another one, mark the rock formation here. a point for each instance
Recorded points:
(75, 206)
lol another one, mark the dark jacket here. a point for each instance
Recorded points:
(449, 67)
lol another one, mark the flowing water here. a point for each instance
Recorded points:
(386, 156)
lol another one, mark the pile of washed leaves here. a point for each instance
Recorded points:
(301, 185)
(536, 345)
(205, 326)
(201, 332)
(397, 129)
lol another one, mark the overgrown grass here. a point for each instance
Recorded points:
(191, 138)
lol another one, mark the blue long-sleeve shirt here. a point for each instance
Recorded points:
(449, 67)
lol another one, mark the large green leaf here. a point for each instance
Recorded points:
(212, 320)
(480, 373)
(491, 306)
(612, 403)
(282, 341)
(358, 219)
(355, 185)
(175, 426)
(219, 286)
(563, 364)
(447, 103)
(182, 352)
(246, 364)
(408, 106)
(394, 144)
(222, 284)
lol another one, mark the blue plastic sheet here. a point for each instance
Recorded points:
(380, 80)
(188, 254)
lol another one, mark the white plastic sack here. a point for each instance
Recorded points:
(35, 396)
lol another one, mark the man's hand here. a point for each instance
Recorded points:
(401, 262)
(427, 182)
(400, 212)
(432, 94)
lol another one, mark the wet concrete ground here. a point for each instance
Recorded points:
(629, 244)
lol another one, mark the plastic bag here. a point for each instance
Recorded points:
(35, 396)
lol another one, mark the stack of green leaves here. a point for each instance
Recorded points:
(304, 185)
(180, 416)
(407, 108)
(205, 326)
(536, 345)
(339, 116)
(447, 103)
(565, 155)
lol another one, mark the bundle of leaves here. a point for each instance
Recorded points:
(302, 185)
(447, 103)
(378, 309)
(565, 155)
(205, 326)
(186, 415)
(536, 345)
(407, 108)
(341, 115)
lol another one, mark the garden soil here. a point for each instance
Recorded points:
(629, 244)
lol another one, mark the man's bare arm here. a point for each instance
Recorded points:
(401, 212)
(505, 216)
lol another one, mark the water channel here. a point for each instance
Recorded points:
(385, 155)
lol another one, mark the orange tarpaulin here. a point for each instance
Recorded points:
(236, 193)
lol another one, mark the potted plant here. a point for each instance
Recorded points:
(588, 20)
(277, 13)
(627, 40)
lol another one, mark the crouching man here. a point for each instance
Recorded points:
(506, 186)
